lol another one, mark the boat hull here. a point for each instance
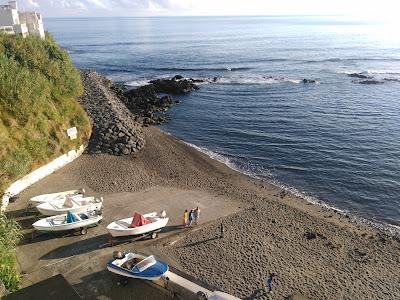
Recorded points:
(44, 225)
(153, 272)
(121, 228)
(34, 201)
(47, 211)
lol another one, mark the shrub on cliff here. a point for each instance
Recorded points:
(38, 90)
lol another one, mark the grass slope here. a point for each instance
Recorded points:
(38, 90)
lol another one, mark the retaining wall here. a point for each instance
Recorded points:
(38, 174)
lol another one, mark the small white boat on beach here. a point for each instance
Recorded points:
(68, 221)
(138, 224)
(34, 201)
(71, 204)
(138, 266)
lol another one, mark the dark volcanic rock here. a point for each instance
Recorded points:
(359, 75)
(145, 101)
(370, 81)
(173, 86)
(114, 126)
(309, 80)
(177, 77)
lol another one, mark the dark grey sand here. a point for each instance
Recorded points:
(266, 229)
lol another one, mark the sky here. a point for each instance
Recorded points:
(373, 9)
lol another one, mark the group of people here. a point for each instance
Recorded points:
(190, 217)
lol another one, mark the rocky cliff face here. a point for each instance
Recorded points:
(116, 130)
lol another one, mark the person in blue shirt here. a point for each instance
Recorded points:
(191, 217)
(269, 281)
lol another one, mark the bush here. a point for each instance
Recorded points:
(10, 235)
(38, 90)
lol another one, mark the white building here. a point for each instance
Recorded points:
(13, 21)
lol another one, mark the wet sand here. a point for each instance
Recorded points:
(314, 251)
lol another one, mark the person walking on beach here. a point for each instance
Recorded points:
(196, 215)
(269, 281)
(222, 228)
(185, 218)
(191, 217)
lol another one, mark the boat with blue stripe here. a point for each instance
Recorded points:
(135, 265)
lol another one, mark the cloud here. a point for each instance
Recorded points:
(209, 7)
(33, 3)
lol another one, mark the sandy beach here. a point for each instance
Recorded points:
(312, 250)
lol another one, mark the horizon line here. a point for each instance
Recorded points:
(199, 16)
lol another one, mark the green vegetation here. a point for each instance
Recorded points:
(38, 90)
(10, 235)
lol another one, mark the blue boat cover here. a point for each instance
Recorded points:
(71, 217)
(155, 270)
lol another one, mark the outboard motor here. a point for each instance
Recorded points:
(201, 295)
(118, 255)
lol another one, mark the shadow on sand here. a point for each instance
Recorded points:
(201, 242)
(171, 228)
(22, 213)
(105, 284)
(77, 248)
(258, 293)
(34, 236)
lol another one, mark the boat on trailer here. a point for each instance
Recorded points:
(136, 265)
(71, 204)
(139, 224)
(61, 196)
(69, 221)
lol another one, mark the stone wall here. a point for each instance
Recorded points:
(115, 130)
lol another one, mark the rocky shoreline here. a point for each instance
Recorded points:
(146, 102)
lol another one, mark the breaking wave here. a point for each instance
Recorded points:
(239, 80)
(267, 176)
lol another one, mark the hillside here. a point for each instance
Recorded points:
(38, 90)
(39, 86)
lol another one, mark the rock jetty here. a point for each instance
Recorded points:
(116, 130)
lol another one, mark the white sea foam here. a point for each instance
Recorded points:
(138, 82)
(229, 163)
(370, 72)
(388, 228)
(257, 80)
(384, 72)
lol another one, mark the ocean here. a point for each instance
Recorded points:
(334, 139)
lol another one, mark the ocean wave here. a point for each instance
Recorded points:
(240, 80)
(256, 80)
(383, 72)
(268, 177)
(336, 59)
(138, 82)
(372, 76)
(264, 80)
(216, 69)
(371, 72)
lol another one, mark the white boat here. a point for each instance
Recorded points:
(136, 265)
(75, 205)
(138, 224)
(56, 196)
(68, 221)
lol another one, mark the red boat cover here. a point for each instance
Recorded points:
(138, 220)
